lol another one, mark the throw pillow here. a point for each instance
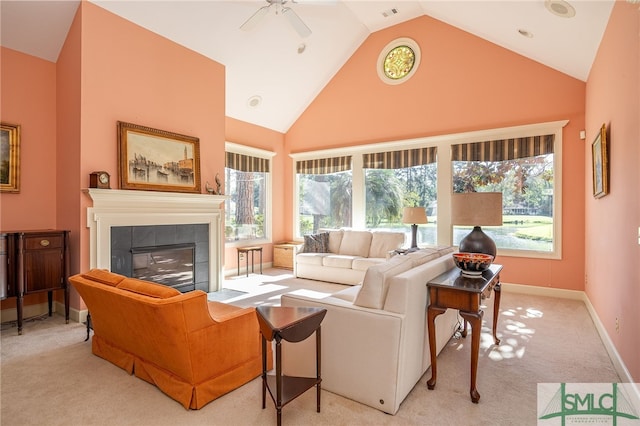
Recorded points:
(316, 243)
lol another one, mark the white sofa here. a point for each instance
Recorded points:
(375, 344)
(346, 255)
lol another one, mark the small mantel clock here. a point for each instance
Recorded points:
(99, 180)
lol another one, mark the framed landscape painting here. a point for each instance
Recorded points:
(157, 160)
(9, 158)
(600, 159)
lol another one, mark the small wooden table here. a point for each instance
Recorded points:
(246, 251)
(293, 324)
(456, 291)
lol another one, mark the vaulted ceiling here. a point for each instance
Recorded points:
(273, 73)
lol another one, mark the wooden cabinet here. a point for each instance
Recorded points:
(37, 261)
(283, 254)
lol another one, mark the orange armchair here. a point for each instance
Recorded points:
(192, 349)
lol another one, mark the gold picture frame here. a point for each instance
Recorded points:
(600, 163)
(157, 160)
(10, 157)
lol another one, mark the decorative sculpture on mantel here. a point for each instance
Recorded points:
(217, 190)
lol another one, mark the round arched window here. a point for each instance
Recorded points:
(398, 61)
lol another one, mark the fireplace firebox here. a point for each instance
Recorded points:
(173, 255)
(171, 265)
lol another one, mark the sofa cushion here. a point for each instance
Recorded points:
(355, 243)
(310, 258)
(145, 288)
(335, 239)
(104, 277)
(316, 243)
(337, 261)
(376, 282)
(364, 263)
(383, 242)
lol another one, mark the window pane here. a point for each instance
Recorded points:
(324, 201)
(388, 191)
(527, 199)
(246, 207)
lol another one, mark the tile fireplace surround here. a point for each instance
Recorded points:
(115, 207)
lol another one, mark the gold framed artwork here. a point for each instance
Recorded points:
(10, 158)
(157, 160)
(600, 163)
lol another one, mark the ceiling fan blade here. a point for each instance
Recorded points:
(251, 23)
(296, 22)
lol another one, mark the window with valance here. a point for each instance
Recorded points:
(503, 149)
(248, 185)
(522, 169)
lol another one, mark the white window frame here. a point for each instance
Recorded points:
(268, 155)
(445, 177)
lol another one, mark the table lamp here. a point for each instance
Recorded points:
(477, 209)
(414, 216)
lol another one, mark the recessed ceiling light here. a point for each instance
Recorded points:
(525, 33)
(254, 101)
(560, 8)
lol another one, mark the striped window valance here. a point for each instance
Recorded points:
(504, 149)
(324, 166)
(246, 163)
(400, 159)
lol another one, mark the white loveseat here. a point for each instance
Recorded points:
(344, 255)
(375, 344)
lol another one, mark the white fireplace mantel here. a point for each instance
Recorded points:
(116, 207)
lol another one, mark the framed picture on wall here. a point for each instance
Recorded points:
(9, 158)
(157, 160)
(600, 160)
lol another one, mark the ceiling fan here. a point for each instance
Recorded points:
(279, 5)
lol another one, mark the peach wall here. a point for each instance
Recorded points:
(247, 134)
(29, 99)
(464, 83)
(612, 249)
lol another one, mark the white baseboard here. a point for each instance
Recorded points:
(35, 310)
(544, 291)
(28, 311)
(618, 364)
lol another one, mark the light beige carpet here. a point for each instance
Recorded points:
(49, 376)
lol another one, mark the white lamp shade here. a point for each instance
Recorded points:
(476, 209)
(414, 215)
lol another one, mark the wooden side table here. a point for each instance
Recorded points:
(246, 251)
(293, 324)
(37, 261)
(456, 291)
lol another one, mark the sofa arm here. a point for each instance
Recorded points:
(226, 345)
(221, 312)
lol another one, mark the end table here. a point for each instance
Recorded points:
(293, 324)
(456, 291)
